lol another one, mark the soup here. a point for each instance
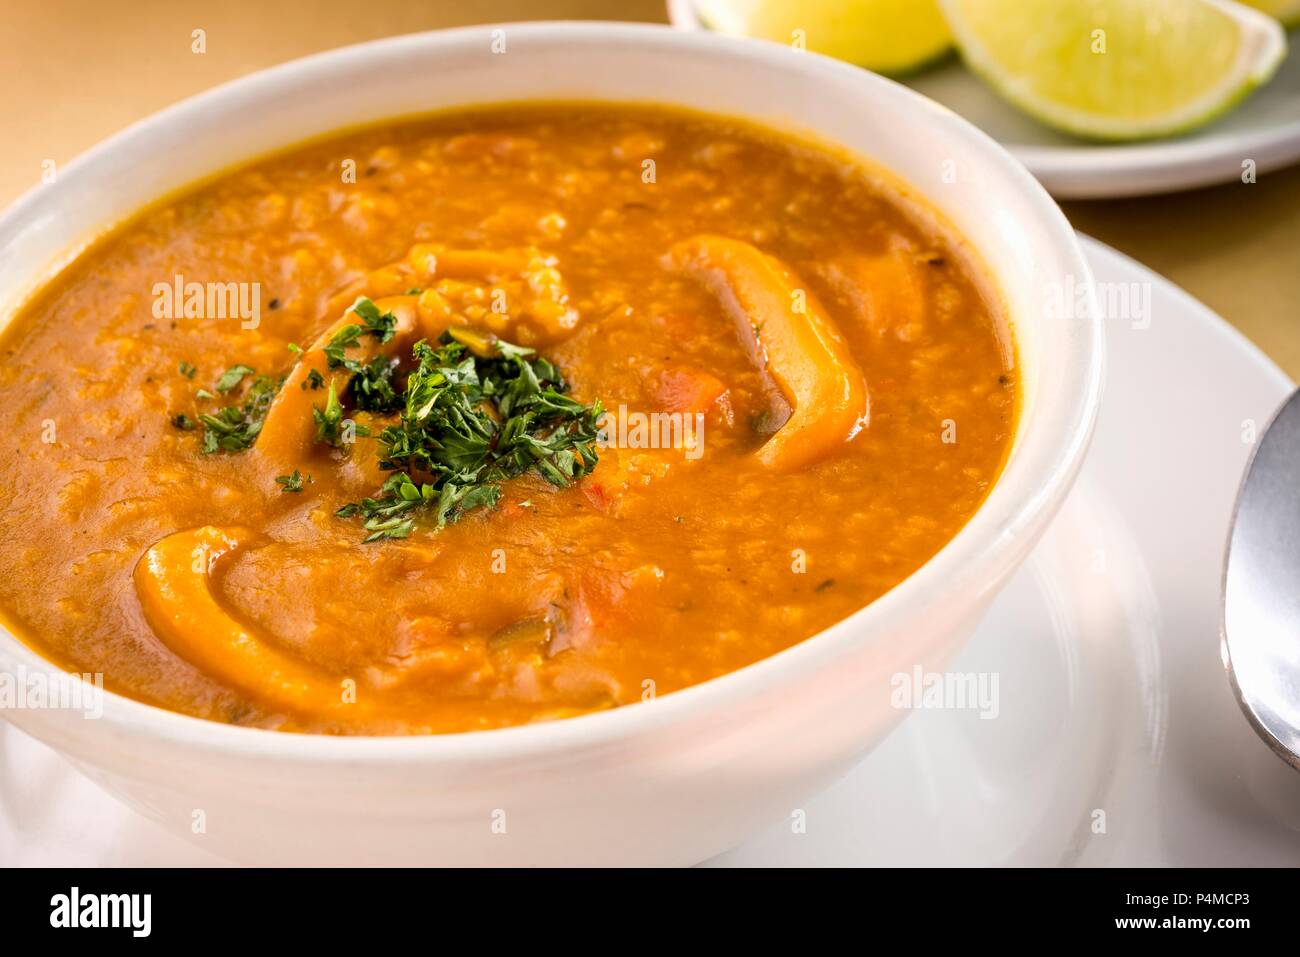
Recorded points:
(492, 417)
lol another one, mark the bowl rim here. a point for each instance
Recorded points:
(961, 564)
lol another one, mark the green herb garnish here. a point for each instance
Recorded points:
(235, 427)
(291, 483)
(470, 422)
(372, 389)
(329, 419)
(381, 325)
(232, 377)
(187, 370)
(339, 343)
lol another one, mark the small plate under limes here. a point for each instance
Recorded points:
(1259, 135)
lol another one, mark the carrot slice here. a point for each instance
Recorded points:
(172, 580)
(795, 339)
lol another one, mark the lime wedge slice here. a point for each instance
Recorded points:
(1288, 11)
(888, 36)
(1118, 69)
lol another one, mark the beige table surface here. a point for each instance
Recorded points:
(75, 71)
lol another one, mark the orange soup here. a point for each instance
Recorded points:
(492, 417)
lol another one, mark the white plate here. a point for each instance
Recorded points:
(1264, 129)
(1112, 695)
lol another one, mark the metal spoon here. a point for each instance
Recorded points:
(1261, 587)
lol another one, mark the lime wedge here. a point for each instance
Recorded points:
(889, 36)
(1118, 69)
(1288, 11)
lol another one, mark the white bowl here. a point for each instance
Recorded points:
(688, 775)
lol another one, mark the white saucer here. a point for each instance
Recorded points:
(1265, 129)
(1112, 695)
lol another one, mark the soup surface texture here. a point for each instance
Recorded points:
(807, 390)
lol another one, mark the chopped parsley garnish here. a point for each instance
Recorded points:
(339, 343)
(232, 377)
(372, 387)
(187, 370)
(330, 419)
(474, 412)
(468, 423)
(291, 483)
(381, 325)
(235, 427)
